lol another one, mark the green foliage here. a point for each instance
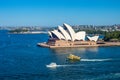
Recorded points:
(112, 35)
(95, 32)
(18, 30)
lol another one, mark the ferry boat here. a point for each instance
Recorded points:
(52, 65)
(73, 57)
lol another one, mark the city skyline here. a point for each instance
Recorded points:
(54, 12)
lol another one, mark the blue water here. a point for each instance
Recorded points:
(21, 59)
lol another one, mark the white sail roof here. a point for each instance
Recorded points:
(64, 33)
(70, 30)
(50, 34)
(69, 34)
(80, 35)
(58, 34)
(94, 38)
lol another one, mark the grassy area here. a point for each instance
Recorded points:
(18, 30)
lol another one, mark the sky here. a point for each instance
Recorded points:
(56, 12)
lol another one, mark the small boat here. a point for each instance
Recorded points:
(52, 65)
(73, 57)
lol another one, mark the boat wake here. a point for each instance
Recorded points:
(54, 65)
(95, 60)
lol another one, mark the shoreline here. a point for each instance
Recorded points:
(81, 46)
(28, 33)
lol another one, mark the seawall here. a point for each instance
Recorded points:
(82, 46)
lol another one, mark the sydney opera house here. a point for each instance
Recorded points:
(65, 36)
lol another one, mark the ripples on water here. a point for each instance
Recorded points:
(21, 59)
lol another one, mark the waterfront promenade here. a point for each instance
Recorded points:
(97, 45)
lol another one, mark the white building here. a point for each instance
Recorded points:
(67, 33)
(94, 38)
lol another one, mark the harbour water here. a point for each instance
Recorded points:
(21, 59)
